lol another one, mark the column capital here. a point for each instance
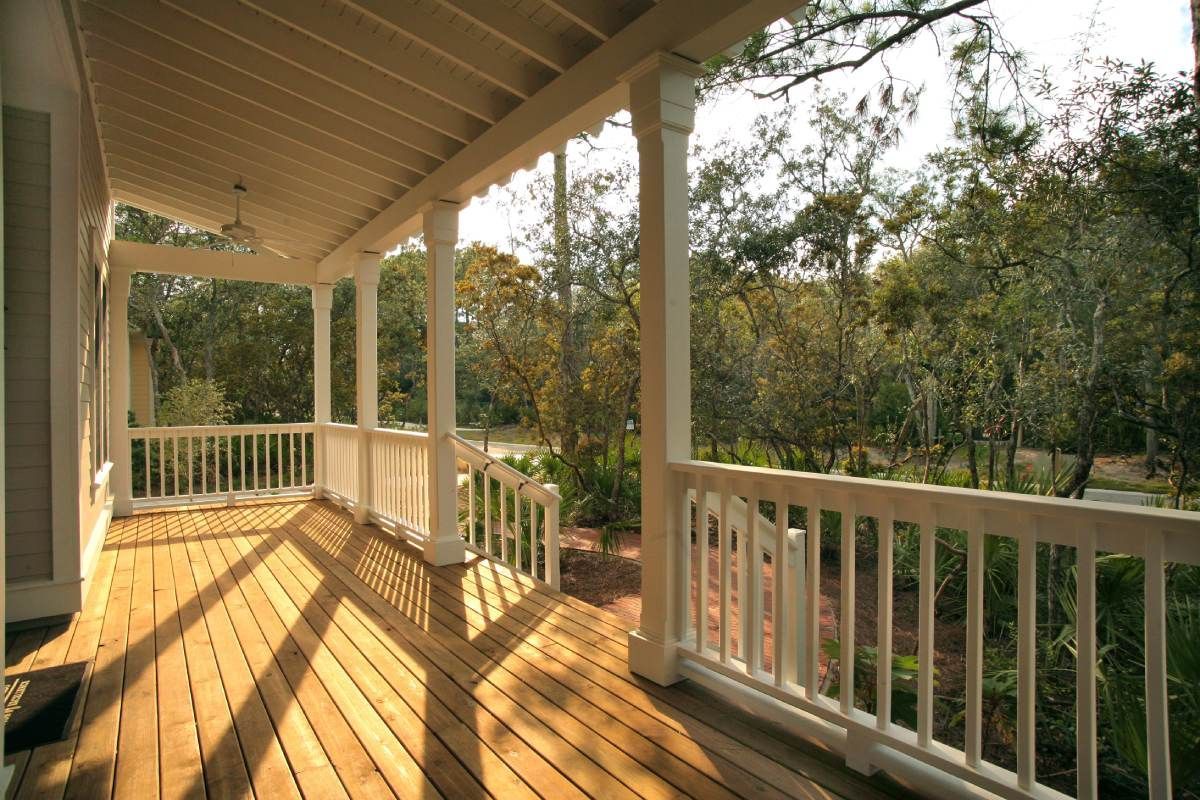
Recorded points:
(662, 94)
(366, 269)
(322, 296)
(440, 223)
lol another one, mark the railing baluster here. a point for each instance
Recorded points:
(846, 656)
(229, 464)
(812, 601)
(1158, 749)
(1026, 652)
(740, 590)
(926, 611)
(552, 512)
(292, 458)
(487, 514)
(203, 465)
(724, 547)
(701, 556)
(781, 581)
(518, 510)
(503, 521)
(162, 466)
(973, 746)
(175, 463)
(883, 621)
(534, 539)
(254, 454)
(1087, 787)
(752, 619)
(191, 470)
(471, 537)
(146, 453)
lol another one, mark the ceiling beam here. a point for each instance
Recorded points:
(516, 29)
(201, 219)
(198, 96)
(261, 200)
(298, 196)
(358, 39)
(274, 83)
(251, 161)
(454, 44)
(195, 262)
(127, 91)
(584, 95)
(601, 18)
(322, 62)
(289, 233)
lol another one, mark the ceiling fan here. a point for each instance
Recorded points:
(241, 233)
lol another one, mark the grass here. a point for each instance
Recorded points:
(1149, 486)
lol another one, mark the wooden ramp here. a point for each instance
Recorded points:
(278, 650)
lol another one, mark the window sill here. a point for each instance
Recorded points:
(101, 476)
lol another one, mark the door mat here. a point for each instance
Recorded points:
(40, 705)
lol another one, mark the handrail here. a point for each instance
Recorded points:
(956, 505)
(486, 463)
(210, 430)
(399, 434)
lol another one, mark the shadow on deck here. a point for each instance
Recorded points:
(279, 649)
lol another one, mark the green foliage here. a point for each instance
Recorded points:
(866, 661)
(195, 402)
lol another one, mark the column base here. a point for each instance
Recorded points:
(441, 552)
(362, 514)
(122, 507)
(652, 659)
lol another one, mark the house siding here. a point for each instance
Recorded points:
(28, 533)
(95, 217)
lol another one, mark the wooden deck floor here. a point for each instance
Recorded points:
(278, 650)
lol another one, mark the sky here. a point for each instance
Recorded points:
(1049, 32)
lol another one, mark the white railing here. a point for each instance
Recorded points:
(340, 469)
(786, 666)
(504, 515)
(220, 462)
(509, 516)
(399, 476)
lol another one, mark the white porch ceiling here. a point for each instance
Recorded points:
(346, 118)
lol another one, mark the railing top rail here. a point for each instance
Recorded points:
(339, 426)
(394, 433)
(183, 430)
(1091, 511)
(470, 453)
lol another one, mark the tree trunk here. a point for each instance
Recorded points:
(991, 462)
(972, 458)
(562, 288)
(1089, 411)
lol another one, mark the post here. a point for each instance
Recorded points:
(118, 393)
(366, 317)
(662, 99)
(444, 545)
(322, 302)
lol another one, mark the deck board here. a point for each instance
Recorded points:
(279, 649)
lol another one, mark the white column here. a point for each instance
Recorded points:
(118, 393)
(366, 317)
(322, 302)
(444, 545)
(662, 104)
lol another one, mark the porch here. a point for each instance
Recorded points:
(280, 648)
